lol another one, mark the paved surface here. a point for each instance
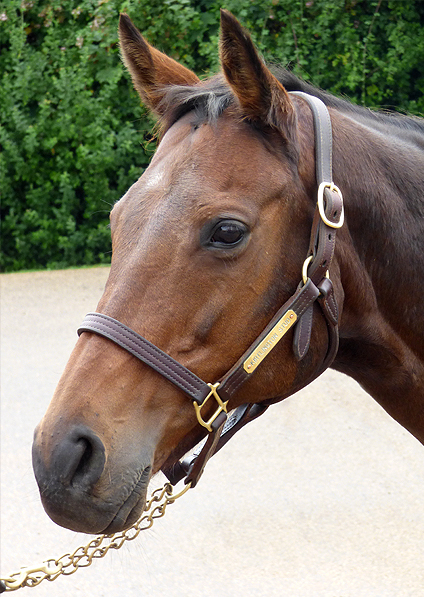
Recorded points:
(321, 497)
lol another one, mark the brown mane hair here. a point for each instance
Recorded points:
(210, 98)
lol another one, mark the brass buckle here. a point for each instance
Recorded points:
(332, 187)
(222, 407)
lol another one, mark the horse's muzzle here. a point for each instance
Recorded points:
(73, 492)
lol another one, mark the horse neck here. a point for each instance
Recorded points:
(381, 251)
(381, 179)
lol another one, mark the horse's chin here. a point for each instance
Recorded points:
(95, 520)
(125, 517)
(84, 514)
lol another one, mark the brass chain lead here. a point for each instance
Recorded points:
(97, 548)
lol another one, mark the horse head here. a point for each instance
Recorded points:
(207, 246)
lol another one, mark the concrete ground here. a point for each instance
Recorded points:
(321, 497)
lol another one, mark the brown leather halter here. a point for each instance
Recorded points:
(298, 310)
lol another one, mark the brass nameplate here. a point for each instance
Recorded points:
(281, 327)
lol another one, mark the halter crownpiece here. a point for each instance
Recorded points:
(315, 286)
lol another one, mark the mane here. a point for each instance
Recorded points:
(211, 97)
(376, 119)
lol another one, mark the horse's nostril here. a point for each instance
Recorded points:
(84, 465)
(79, 459)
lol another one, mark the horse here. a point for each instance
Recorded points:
(226, 268)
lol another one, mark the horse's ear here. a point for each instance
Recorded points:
(261, 95)
(151, 71)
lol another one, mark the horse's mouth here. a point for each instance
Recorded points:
(132, 508)
(92, 510)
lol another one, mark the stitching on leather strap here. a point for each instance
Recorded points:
(162, 357)
(144, 351)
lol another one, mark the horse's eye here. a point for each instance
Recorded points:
(227, 234)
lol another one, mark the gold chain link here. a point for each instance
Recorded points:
(97, 548)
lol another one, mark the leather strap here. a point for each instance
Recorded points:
(304, 297)
(147, 352)
(323, 137)
(327, 218)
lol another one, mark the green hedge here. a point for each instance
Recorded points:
(73, 134)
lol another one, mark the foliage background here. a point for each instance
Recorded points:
(74, 137)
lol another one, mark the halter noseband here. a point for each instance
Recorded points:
(297, 311)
